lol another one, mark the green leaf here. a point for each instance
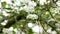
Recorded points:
(1, 20)
(3, 4)
(12, 1)
(52, 24)
(8, 8)
(15, 25)
(30, 31)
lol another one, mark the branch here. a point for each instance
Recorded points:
(13, 20)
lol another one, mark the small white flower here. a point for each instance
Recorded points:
(23, 33)
(32, 16)
(25, 1)
(7, 6)
(47, 2)
(5, 30)
(57, 10)
(11, 28)
(5, 13)
(28, 8)
(36, 29)
(0, 4)
(15, 30)
(21, 8)
(58, 3)
(30, 25)
(51, 19)
(49, 30)
(4, 23)
(8, 30)
(32, 4)
(17, 3)
(42, 2)
(53, 32)
(47, 12)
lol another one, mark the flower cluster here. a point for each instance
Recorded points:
(32, 16)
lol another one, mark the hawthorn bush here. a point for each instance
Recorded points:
(29, 16)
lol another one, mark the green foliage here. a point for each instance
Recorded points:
(17, 18)
(3, 4)
(30, 31)
(52, 24)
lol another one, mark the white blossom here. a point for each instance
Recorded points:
(49, 30)
(30, 25)
(32, 16)
(11, 28)
(28, 8)
(37, 29)
(57, 10)
(23, 33)
(47, 2)
(6, 30)
(42, 2)
(7, 6)
(5, 13)
(58, 3)
(25, 1)
(4, 23)
(17, 3)
(15, 30)
(0, 4)
(31, 4)
(53, 32)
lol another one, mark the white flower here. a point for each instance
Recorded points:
(30, 25)
(0, 4)
(32, 4)
(42, 2)
(32, 16)
(11, 28)
(51, 19)
(41, 29)
(58, 3)
(15, 30)
(37, 29)
(47, 2)
(25, 1)
(5, 13)
(53, 32)
(21, 8)
(7, 6)
(47, 12)
(28, 8)
(4, 23)
(57, 10)
(49, 30)
(17, 3)
(6, 30)
(23, 33)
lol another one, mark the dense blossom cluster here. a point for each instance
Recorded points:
(30, 7)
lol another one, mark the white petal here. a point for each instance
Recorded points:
(36, 29)
(30, 25)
